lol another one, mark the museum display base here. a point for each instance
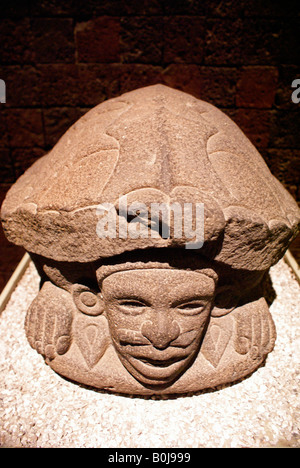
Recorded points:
(39, 408)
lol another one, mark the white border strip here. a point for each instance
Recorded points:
(13, 281)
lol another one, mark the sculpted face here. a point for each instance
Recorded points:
(157, 318)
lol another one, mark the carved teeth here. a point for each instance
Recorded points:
(162, 363)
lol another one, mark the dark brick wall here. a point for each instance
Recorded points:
(60, 58)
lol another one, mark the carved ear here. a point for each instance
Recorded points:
(86, 300)
(226, 300)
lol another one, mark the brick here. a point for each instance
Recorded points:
(53, 40)
(219, 85)
(94, 8)
(223, 41)
(4, 187)
(97, 40)
(256, 41)
(184, 39)
(138, 7)
(135, 76)
(3, 128)
(50, 8)
(10, 256)
(15, 9)
(16, 41)
(57, 121)
(285, 126)
(81, 85)
(186, 78)
(25, 127)
(184, 7)
(255, 123)
(283, 97)
(212, 84)
(141, 39)
(285, 166)
(261, 41)
(226, 8)
(23, 158)
(6, 166)
(257, 87)
(97, 82)
(289, 41)
(23, 85)
(59, 85)
(270, 8)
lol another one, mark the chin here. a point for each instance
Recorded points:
(156, 373)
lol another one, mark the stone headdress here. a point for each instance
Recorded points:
(153, 144)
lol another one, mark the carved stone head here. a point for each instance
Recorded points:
(157, 317)
(153, 223)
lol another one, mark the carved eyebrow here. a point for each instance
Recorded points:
(119, 292)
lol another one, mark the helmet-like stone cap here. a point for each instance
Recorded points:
(154, 144)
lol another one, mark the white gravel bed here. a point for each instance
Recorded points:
(38, 408)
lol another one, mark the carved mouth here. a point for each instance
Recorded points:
(156, 371)
(161, 363)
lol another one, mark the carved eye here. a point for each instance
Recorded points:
(132, 306)
(191, 307)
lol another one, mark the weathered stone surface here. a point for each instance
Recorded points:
(143, 310)
(152, 144)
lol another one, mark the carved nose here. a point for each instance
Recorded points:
(160, 331)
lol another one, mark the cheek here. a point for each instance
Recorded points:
(193, 322)
(118, 320)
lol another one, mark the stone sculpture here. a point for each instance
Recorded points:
(130, 300)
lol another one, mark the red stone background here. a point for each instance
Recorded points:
(60, 58)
